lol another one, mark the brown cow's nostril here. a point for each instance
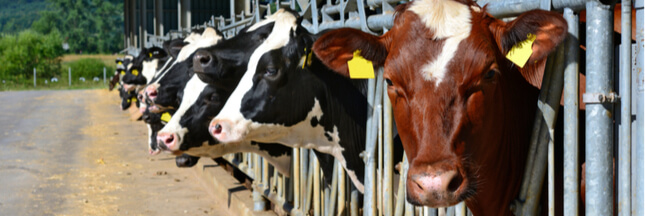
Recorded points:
(455, 183)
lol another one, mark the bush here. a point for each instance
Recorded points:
(88, 68)
(20, 54)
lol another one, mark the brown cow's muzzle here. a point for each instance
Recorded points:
(435, 189)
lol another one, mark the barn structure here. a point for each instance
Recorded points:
(150, 22)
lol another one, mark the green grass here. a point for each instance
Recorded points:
(63, 81)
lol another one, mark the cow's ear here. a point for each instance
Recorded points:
(548, 29)
(336, 47)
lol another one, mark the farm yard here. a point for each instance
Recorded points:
(76, 153)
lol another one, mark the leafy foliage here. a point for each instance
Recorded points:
(17, 15)
(20, 53)
(90, 26)
(89, 68)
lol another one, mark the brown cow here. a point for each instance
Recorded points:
(464, 112)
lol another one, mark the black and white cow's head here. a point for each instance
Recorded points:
(287, 96)
(176, 74)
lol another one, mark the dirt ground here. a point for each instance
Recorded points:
(76, 153)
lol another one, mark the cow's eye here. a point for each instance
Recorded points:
(389, 82)
(490, 74)
(271, 71)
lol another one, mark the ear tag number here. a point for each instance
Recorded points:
(521, 52)
(359, 67)
(135, 72)
(165, 117)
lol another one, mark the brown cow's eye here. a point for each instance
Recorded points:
(490, 74)
(389, 82)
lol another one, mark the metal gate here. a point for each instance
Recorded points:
(610, 108)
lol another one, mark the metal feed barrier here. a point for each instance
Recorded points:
(305, 193)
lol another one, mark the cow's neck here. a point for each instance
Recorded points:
(505, 162)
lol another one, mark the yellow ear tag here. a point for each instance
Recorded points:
(135, 72)
(150, 54)
(134, 100)
(122, 73)
(165, 117)
(359, 67)
(128, 100)
(521, 52)
(119, 63)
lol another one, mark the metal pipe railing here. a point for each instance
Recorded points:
(638, 125)
(599, 133)
(625, 139)
(571, 110)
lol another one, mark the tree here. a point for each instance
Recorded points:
(91, 26)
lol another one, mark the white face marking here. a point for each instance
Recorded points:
(301, 134)
(448, 20)
(285, 23)
(207, 39)
(193, 89)
(149, 69)
(149, 137)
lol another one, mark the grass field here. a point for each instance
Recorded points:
(106, 58)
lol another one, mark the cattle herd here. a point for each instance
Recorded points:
(463, 110)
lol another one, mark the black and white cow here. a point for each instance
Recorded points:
(169, 82)
(288, 96)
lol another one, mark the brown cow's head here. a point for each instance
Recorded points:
(449, 83)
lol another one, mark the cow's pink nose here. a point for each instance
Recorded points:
(220, 129)
(167, 141)
(151, 92)
(440, 182)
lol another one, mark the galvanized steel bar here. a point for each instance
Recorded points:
(331, 203)
(599, 133)
(638, 126)
(460, 209)
(342, 190)
(548, 105)
(557, 83)
(310, 182)
(296, 178)
(571, 107)
(369, 199)
(316, 183)
(400, 195)
(509, 8)
(388, 154)
(625, 129)
(354, 203)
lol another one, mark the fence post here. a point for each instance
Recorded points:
(34, 77)
(103, 75)
(599, 133)
(69, 75)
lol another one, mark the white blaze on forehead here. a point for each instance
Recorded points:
(208, 38)
(193, 89)
(269, 19)
(285, 23)
(149, 69)
(447, 20)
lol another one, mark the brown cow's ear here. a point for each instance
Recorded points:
(549, 29)
(336, 47)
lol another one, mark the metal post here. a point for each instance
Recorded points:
(571, 107)
(69, 75)
(388, 154)
(369, 200)
(334, 189)
(296, 178)
(34, 77)
(638, 126)
(624, 147)
(460, 209)
(316, 182)
(400, 195)
(104, 76)
(341, 190)
(599, 134)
